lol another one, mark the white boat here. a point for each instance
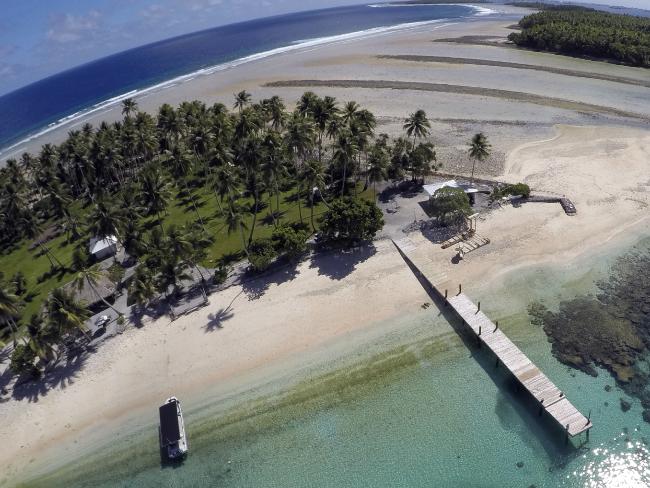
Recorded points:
(173, 439)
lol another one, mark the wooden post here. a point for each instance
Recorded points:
(541, 407)
(460, 288)
(496, 326)
(445, 293)
(566, 435)
(479, 307)
(479, 330)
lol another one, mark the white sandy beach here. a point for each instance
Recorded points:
(601, 161)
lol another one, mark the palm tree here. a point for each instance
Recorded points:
(9, 310)
(182, 165)
(90, 277)
(225, 183)
(299, 138)
(40, 339)
(234, 219)
(106, 219)
(479, 149)
(132, 240)
(142, 288)
(242, 99)
(65, 314)
(312, 178)
(345, 151)
(417, 125)
(129, 106)
(250, 154)
(275, 108)
(171, 274)
(33, 230)
(377, 165)
(306, 104)
(155, 192)
(323, 113)
(273, 168)
(349, 114)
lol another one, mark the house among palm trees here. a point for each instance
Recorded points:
(93, 295)
(102, 247)
(469, 189)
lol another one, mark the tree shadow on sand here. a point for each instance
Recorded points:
(216, 320)
(255, 285)
(60, 375)
(339, 264)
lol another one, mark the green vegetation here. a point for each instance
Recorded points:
(517, 189)
(290, 241)
(450, 204)
(261, 254)
(479, 150)
(349, 221)
(191, 187)
(579, 31)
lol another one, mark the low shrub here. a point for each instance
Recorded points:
(290, 240)
(261, 254)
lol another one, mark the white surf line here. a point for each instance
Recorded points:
(300, 45)
(480, 10)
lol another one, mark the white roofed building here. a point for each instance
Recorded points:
(103, 247)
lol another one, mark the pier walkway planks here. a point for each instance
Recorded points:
(547, 394)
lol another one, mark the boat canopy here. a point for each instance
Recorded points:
(169, 430)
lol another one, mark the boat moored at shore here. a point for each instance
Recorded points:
(173, 440)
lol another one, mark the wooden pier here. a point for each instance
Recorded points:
(550, 398)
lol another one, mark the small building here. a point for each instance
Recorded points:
(102, 247)
(93, 296)
(432, 188)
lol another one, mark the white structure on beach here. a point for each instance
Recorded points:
(103, 247)
(432, 188)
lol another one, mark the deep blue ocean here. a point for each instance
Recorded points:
(32, 108)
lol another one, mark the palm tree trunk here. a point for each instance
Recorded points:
(311, 211)
(277, 196)
(275, 222)
(217, 197)
(243, 240)
(14, 330)
(345, 169)
(160, 223)
(471, 180)
(40, 245)
(299, 206)
(50, 256)
(196, 211)
(257, 201)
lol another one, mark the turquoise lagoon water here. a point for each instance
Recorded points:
(433, 411)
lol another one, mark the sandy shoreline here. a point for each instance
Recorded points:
(280, 326)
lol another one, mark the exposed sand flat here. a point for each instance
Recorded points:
(504, 64)
(604, 171)
(464, 90)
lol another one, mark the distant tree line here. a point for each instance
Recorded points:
(579, 31)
